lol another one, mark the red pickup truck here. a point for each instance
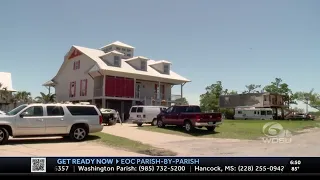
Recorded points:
(188, 117)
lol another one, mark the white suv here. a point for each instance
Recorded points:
(71, 120)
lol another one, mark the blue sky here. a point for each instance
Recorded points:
(237, 42)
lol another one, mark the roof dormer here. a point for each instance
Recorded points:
(161, 66)
(139, 63)
(112, 58)
(123, 48)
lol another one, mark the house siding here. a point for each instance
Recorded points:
(68, 75)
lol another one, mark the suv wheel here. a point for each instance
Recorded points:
(188, 126)
(139, 124)
(78, 133)
(4, 136)
(154, 122)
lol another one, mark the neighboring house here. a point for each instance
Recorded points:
(112, 77)
(6, 91)
(258, 100)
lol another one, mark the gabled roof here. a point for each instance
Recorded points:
(118, 43)
(137, 57)
(95, 55)
(112, 52)
(159, 62)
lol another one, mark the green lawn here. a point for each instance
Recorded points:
(237, 129)
(129, 145)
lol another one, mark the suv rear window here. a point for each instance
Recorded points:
(133, 109)
(82, 110)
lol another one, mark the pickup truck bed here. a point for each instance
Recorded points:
(188, 117)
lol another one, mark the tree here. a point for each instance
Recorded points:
(227, 92)
(277, 86)
(252, 88)
(46, 98)
(182, 101)
(210, 99)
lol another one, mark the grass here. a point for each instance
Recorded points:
(237, 129)
(130, 145)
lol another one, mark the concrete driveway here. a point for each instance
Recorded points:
(306, 144)
(56, 146)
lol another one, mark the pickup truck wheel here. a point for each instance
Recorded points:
(154, 122)
(78, 133)
(160, 124)
(211, 128)
(188, 126)
(4, 136)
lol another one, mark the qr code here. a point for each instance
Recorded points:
(38, 164)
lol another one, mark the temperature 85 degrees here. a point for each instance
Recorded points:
(295, 169)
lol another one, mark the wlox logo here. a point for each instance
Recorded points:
(276, 134)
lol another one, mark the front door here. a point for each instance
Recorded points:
(31, 122)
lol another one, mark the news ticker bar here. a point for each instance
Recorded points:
(159, 165)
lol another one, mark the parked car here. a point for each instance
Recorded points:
(110, 116)
(67, 120)
(301, 116)
(145, 114)
(189, 117)
(310, 117)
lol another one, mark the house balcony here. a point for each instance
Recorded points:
(274, 103)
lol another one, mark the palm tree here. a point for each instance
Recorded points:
(21, 97)
(46, 98)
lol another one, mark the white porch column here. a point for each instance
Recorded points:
(182, 89)
(135, 86)
(122, 111)
(103, 103)
(103, 86)
(159, 93)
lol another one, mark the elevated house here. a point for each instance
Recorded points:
(112, 77)
(258, 100)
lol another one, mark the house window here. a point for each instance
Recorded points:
(72, 90)
(83, 87)
(123, 49)
(76, 65)
(128, 54)
(166, 68)
(117, 48)
(128, 50)
(143, 65)
(117, 61)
